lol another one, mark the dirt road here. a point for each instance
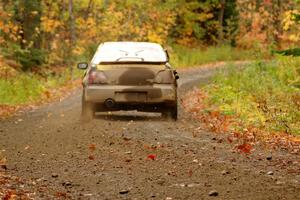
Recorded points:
(136, 156)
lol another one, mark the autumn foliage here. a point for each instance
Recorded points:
(249, 107)
(51, 32)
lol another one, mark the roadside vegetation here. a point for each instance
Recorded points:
(264, 95)
(21, 88)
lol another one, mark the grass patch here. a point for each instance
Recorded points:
(187, 57)
(24, 88)
(263, 95)
(20, 89)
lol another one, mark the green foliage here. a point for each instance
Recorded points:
(199, 22)
(262, 94)
(21, 89)
(296, 17)
(30, 58)
(289, 52)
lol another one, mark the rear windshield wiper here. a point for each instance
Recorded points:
(126, 52)
(125, 59)
(136, 53)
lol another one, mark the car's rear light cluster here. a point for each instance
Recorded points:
(97, 77)
(164, 76)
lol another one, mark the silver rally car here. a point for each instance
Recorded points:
(129, 76)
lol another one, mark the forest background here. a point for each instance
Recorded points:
(50, 32)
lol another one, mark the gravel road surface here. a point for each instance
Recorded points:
(137, 156)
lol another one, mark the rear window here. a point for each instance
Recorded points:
(129, 52)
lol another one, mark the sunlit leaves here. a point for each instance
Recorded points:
(50, 25)
(187, 22)
(291, 25)
(268, 23)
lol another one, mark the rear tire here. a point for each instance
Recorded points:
(174, 113)
(170, 113)
(87, 110)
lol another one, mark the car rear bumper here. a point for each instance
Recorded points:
(152, 94)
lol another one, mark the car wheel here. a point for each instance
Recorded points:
(170, 113)
(174, 113)
(87, 110)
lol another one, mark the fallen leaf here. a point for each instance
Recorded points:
(9, 195)
(92, 147)
(229, 139)
(3, 164)
(61, 194)
(190, 173)
(91, 157)
(244, 148)
(151, 156)
(47, 94)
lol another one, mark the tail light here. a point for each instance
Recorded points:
(97, 77)
(164, 76)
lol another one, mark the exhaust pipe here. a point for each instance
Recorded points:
(109, 103)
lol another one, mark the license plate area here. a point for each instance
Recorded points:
(131, 96)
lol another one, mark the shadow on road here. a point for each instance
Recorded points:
(128, 116)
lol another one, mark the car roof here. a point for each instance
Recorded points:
(129, 52)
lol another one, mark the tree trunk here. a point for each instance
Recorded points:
(72, 24)
(30, 12)
(87, 12)
(221, 19)
(72, 36)
(277, 21)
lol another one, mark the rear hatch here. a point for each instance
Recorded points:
(134, 74)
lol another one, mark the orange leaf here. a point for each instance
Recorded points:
(92, 147)
(229, 139)
(91, 157)
(245, 148)
(151, 156)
